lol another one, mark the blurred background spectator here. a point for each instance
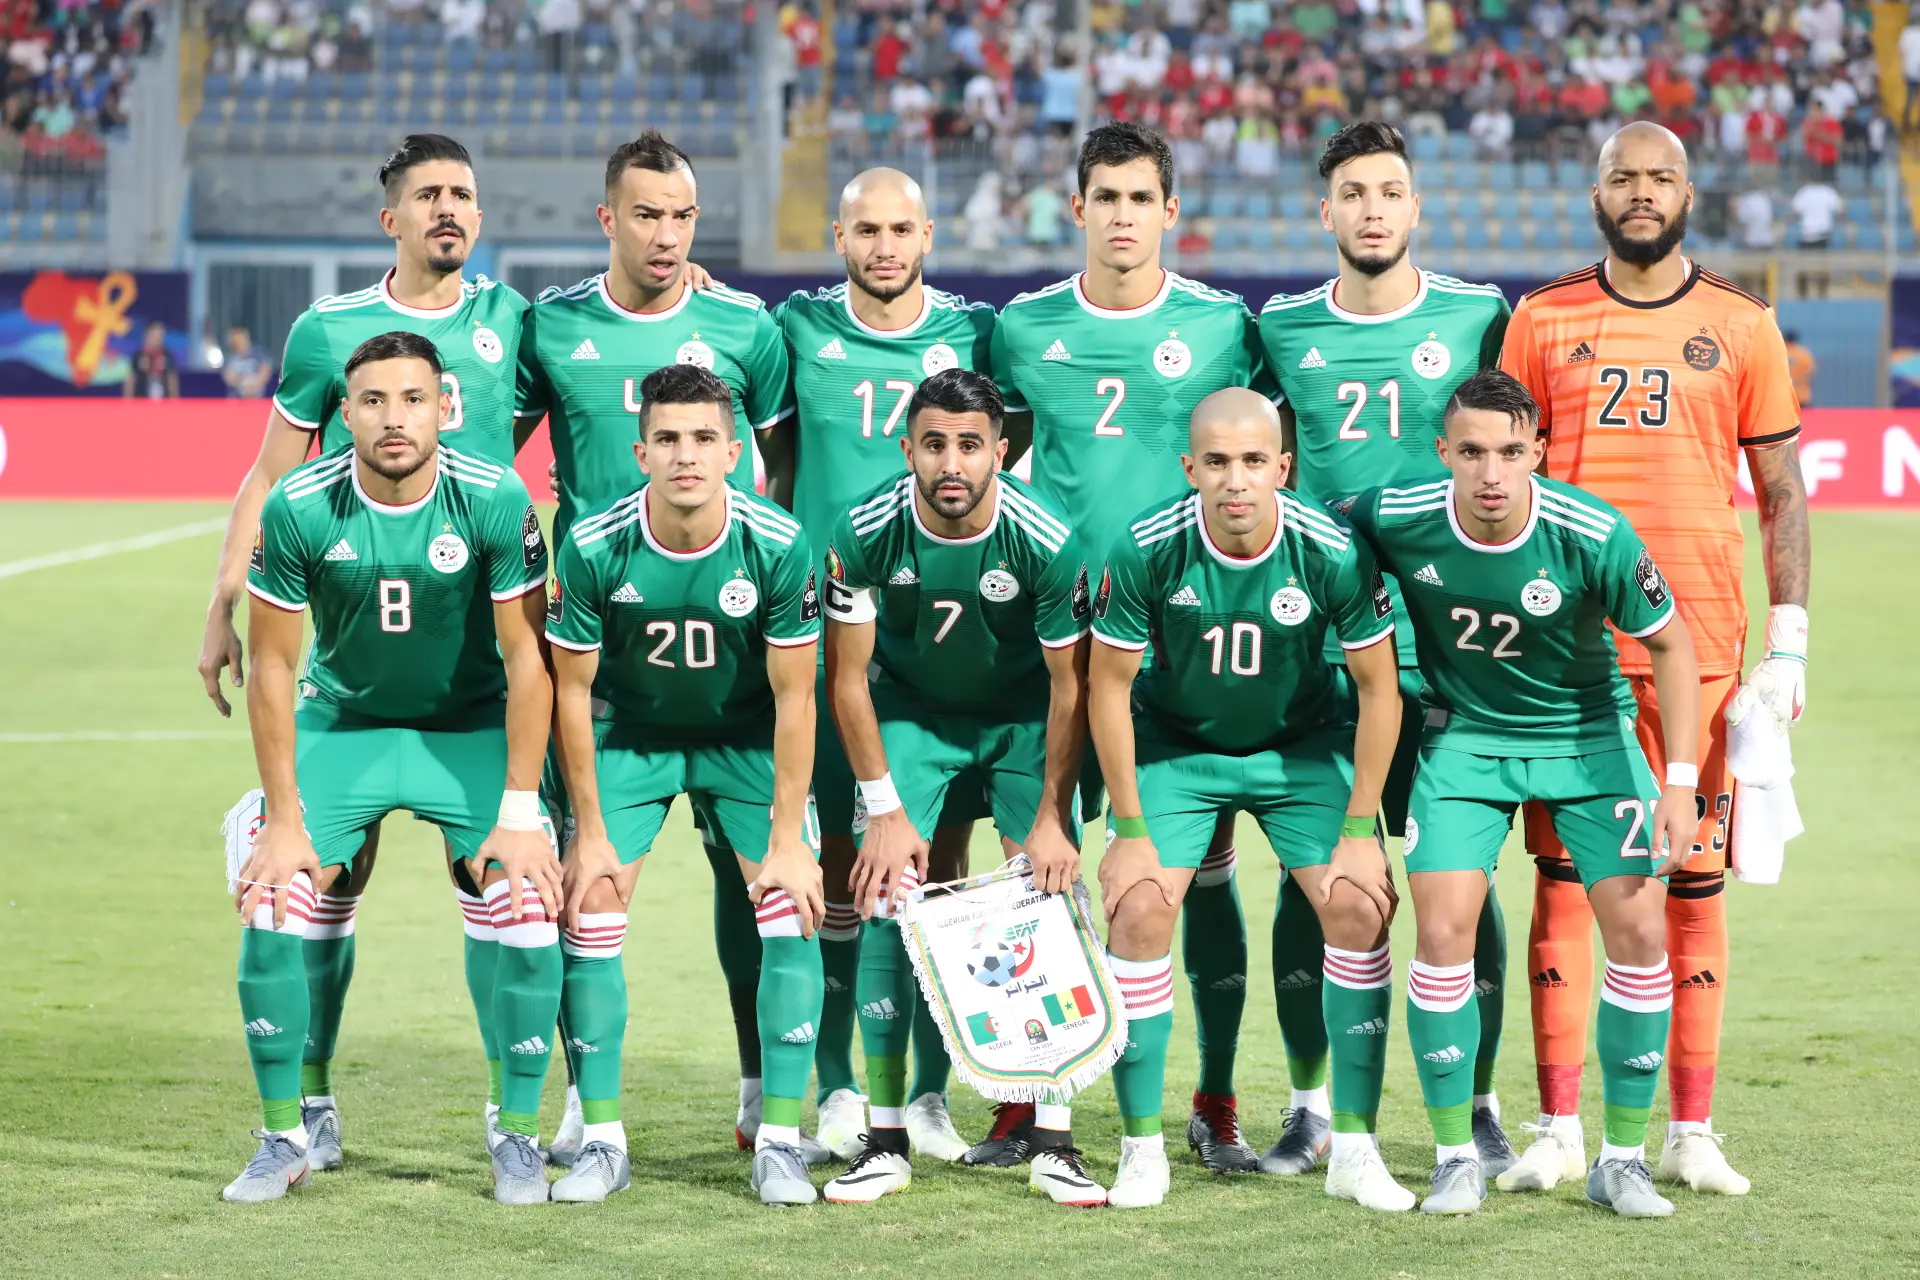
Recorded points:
(243, 368)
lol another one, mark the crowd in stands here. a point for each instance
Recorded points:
(64, 81)
(1778, 94)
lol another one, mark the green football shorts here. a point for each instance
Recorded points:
(1601, 804)
(1406, 752)
(948, 764)
(730, 787)
(835, 794)
(352, 776)
(1298, 794)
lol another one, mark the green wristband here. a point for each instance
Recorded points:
(1129, 828)
(1356, 828)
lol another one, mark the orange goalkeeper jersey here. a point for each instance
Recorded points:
(1647, 405)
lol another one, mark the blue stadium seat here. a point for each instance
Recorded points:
(422, 59)
(1542, 205)
(1226, 203)
(1475, 230)
(1497, 175)
(592, 88)
(1510, 236)
(1294, 204)
(461, 56)
(526, 59)
(253, 87)
(322, 86)
(1436, 233)
(693, 87)
(355, 85)
(494, 61)
(1869, 236)
(1859, 209)
(1259, 204)
(65, 227)
(1260, 235)
(492, 111)
(1547, 235)
(727, 88)
(457, 87)
(1459, 146)
(1298, 234)
(218, 85)
(1571, 173)
(1433, 207)
(1226, 235)
(39, 197)
(1534, 175)
(280, 111)
(553, 113)
(1425, 147)
(1193, 204)
(625, 88)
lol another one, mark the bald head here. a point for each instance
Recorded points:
(882, 191)
(1641, 196)
(1234, 459)
(1643, 145)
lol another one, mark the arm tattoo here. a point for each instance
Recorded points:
(1786, 541)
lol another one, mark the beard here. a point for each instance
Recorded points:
(882, 293)
(395, 469)
(952, 508)
(1640, 253)
(1375, 263)
(448, 261)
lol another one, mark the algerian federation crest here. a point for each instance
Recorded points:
(1431, 359)
(1172, 358)
(1413, 836)
(938, 358)
(1540, 597)
(693, 351)
(1290, 606)
(738, 598)
(447, 553)
(999, 586)
(486, 344)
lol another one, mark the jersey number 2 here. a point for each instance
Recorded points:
(1506, 623)
(1117, 388)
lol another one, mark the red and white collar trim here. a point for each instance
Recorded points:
(926, 309)
(390, 509)
(418, 313)
(1109, 313)
(646, 529)
(1227, 558)
(1497, 548)
(644, 317)
(913, 501)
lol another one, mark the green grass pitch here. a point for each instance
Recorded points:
(125, 1097)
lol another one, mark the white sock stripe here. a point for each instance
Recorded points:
(599, 936)
(1439, 990)
(1358, 970)
(1638, 989)
(474, 916)
(1216, 861)
(1146, 986)
(500, 906)
(299, 897)
(528, 935)
(778, 915)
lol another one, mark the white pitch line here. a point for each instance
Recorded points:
(159, 538)
(128, 735)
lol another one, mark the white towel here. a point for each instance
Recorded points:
(1765, 816)
(240, 827)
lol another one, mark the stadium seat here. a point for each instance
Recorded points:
(659, 87)
(217, 85)
(1459, 146)
(39, 197)
(1425, 147)
(1294, 204)
(1870, 236)
(1534, 175)
(495, 61)
(526, 59)
(461, 56)
(1260, 235)
(1436, 233)
(591, 88)
(1226, 203)
(1543, 205)
(1298, 234)
(1511, 236)
(1547, 235)
(1226, 235)
(355, 85)
(1259, 205)
(693, 87)
(253, 87)
(1475, 233)
(1572, 174)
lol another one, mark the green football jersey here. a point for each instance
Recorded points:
(583, 357)
(683, 635)
(1513, 638)
(476, 338)
(402, 597)
(1236, 663)
(851, 384)
(1112, 392)
(960, 621)
(1369, 393)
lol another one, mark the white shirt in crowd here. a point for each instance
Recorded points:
(1816, 205)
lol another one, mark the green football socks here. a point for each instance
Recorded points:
(886, 998)
(593, 1010)
(792, 986)
(328, 949)
(528, 979)
(736, 938)
(840, 962)
(1636, 1006)
(1443, 1026)
(1489, 988)
(1140, 1077)
(1213, 950)
(1297, 955)
(482, 957)
(1355, 1000)
(274, 1004)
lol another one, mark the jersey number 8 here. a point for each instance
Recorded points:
(396, 605)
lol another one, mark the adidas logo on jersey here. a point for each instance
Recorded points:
(341, 551)
(1313, 359)
(578, 1045)
(1185, 595)
(1645, 1061)
(1447, 1055)
(1298, 980)
(1429, 575)
(1058, 351)
(625, 594)
(904, 577)
(586, 351)
(832, 351)
(533, 1045)
(261, 1027)
(881, 1009)
(1371, 1027)
(1581, 354)
(802, 1034)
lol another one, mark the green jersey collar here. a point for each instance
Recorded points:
(418, 313)
(653, 543)
(1497, 549)
(926, 309)
(388, 508)
(913, 503)
(1228, 559)
(1108, 313)
(643, 317)
(1354, 317)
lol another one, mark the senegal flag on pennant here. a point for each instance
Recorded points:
(984, 1028)
(1068, 1007)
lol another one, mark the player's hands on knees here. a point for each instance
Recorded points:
(523, 856)
(1676, 818)
(220, 647)
(1362, 863)
(281, 851)
(1055, 858)
(590, 859)
(1131, 861)
(891, 844)
(791, 866)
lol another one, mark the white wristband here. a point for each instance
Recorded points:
(519, 811)
(879, 795)
(1683, 775)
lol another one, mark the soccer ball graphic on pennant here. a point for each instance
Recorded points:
(992, 962)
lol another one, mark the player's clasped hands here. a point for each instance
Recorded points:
(1676, 816)
(1362, 862)
(281, 852)
(1131, 861)
(890, 846)
(525, 856)
(791, 867)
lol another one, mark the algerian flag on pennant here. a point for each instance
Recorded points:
(1019, 984)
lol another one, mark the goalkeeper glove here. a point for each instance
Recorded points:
(1779, 681)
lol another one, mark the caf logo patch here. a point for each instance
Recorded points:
(1382, 599)
(486, 345)
(555, 609)
(810, 599)
(1172, 358)
(1540, 597)
(1104, 595)
(1647, 574)
(938, 358)
(533, 548)
(447, 553)
(1080, 594)
(1290, 606)
(739, 596)
(258, 562)
(1701, 351)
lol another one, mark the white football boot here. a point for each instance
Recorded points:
(1058, 1174)
(1144, 1175)
(1693, 1156)
(1558, 1153)
(930, 1129)
(843, 1118)
(1360, 1175)
(873, 1173)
